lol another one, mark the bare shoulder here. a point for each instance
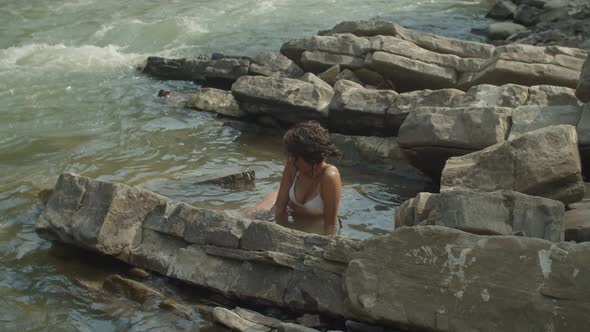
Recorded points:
(331, 175)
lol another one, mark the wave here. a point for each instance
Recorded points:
(45, 56)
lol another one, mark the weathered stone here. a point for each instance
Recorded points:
(502, 10)
(371, 149)
(529, 118)
(131, 289)
(552, 96)
(319, 61)
(216, 101)
(110, 224)
(527, 15)
(177, 308)
(471, 128)
(359, 111)
(330, 75)
(138, 273)
(544, 162)
(230, 69)
(308, 320)
(409, 74)
(257, 318)
(245, 179)
(456, 267)
(577, 221)
(274, 64)
(311, 78)
(176, 69)
(486, 95)
(583, 87)
(235, 322)
(503, 30)
(343, 44)
(348, 75)
(492, 213)
(583, 127)
(407, 102)
(290, 327)
(288, 100)
(352, 326)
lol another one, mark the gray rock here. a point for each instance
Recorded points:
(330, 75)
(319, 61)
(486, 95)
(235, 322)
(544, 162)
(552, 96)
(290, 327)
(311, 78)
(359, 111)
(492, 213)
(502, 10)
(230, 69)
(138, 273)
(245, 179)
(258, 318)
(309, 320)
(529, 118)
(177, 308)
(288, 100)
(583, 87)
(343, 44)
(348, 75)
(176, 69)
(216, 101)
(372, 78)
(503, 30)
(527, 15)
(577, 221)
(274, 64)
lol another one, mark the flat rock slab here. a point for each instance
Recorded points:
(216, 101)
(493, 213)
(537, 285)
(583, 88)
(544, 162)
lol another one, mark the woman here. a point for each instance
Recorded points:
(310, 188)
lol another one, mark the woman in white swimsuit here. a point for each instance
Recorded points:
(310, 188)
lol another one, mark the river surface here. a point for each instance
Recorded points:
(72, 101)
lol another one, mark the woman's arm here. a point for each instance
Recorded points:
(280, 206)
(331, 191)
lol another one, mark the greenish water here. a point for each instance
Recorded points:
(70, 100)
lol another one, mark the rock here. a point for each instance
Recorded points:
(583, 87)
(359, 111)
(491, 213)
(258, 318)
(330, 75)
(486, 95)
(177, 308)
(352, 326)
(348, 75)
(577, 220)
(230, 69)
(527, 15)
(138, 273)
(196, 70)
(353, 279)
(503, 30)
(372, 78)
(407, 102)
(308, 320)
(274, 64)
(114, 232)
(290, 327)
(544, 162)
(343, 44)
(311, 78)
(409, 74)
(529, 118)
(131, 289)
(552, 96)
(44, 195)
(216, 101)
(319, 61)
(583, 130)
(502, 10)
(288, 100)
(245, 179)
(235, 322)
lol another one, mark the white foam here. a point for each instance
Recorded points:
(44, 56)
(191, 24)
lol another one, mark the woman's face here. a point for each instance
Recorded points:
(303, 166)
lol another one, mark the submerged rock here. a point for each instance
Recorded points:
(216, 101)
(131, 289)
(239, 180)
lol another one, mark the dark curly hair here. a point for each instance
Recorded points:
(310, 141)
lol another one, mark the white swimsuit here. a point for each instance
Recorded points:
(314, 205)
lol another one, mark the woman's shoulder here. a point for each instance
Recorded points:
(331, 174)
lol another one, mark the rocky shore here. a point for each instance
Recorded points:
(504, 130)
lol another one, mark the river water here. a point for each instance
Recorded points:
(71, 100)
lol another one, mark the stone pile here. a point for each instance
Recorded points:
(536, 285)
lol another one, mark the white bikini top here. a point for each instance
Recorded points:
(315, 204)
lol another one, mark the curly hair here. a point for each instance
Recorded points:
(310, 141)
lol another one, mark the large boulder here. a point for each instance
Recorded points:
(491, 213)
(544, 162)
(288, 100)
(430, 135)
(344, 277)
(274, 64)
(359, 111)
(342, 44)
(583, 130)
(533, 117)
(217, 101)
(196, 70)
(502, 10)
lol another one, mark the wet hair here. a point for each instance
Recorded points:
(309, 141)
